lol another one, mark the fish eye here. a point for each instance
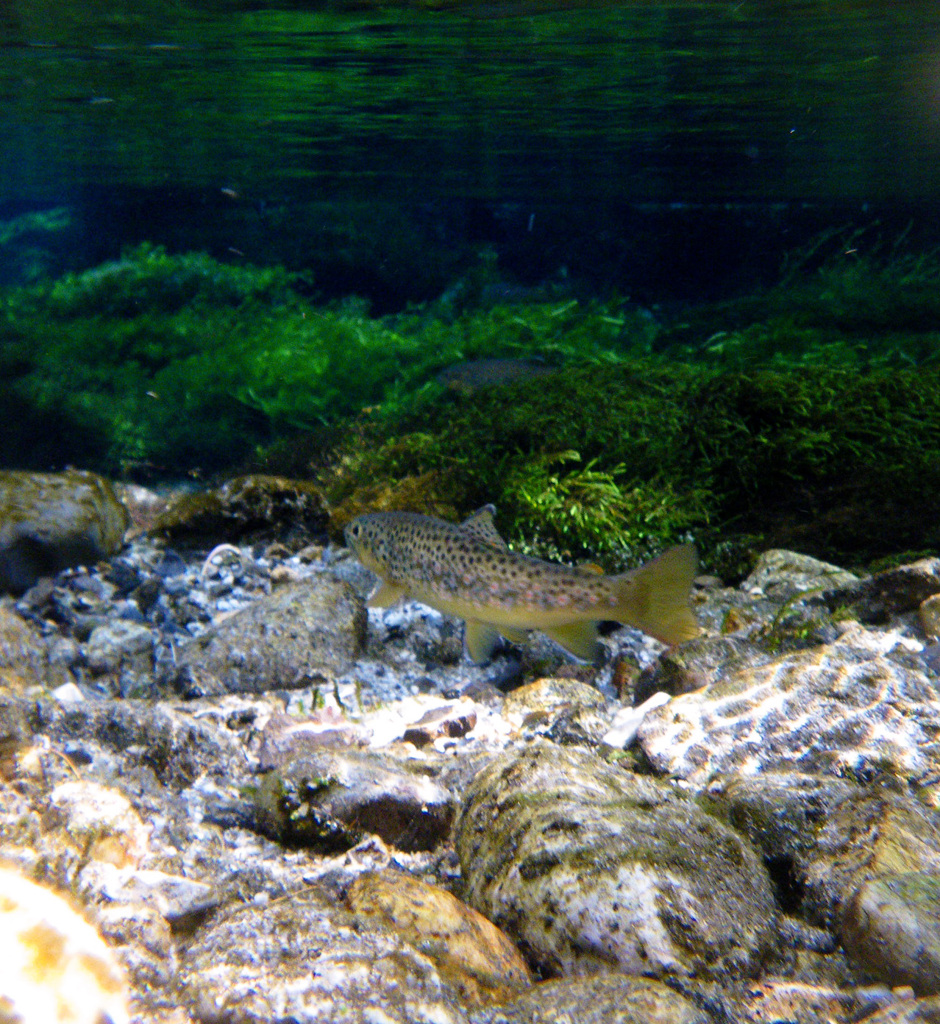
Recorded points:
(354, 530)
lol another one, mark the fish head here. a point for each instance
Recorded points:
(367, 536)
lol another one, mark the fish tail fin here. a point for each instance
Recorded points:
(655, 597)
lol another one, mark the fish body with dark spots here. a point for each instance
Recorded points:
(467, 570)
(474, 374)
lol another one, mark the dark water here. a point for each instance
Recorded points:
(648, 101)
(599, 137)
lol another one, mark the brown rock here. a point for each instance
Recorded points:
(888, 593)
(52, 521)
(476, 958)
(247, 506)
(929, 614)
(892, 928)
(24, 657)
(326, 799)
(449, 721)
(599, 999)
(55, 965)
(777, 999)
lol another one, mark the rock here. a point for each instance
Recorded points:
(929, 615)
(780, 999)
(24, 656)
(831, 709)
(286, 737)
(600, 999)
(441, 723)
(782, 574)
(825, 761)
(296, 637)
(780, 812)
(892, 592)
(327, 799)
(120, 644)
(589, 867)
(174, 897)
(626, 723)
(172, 746)
(475, 957)
(874, 874)
(15, 734)
(564, 710)
(254, 506)
(908, 1011)
(98, 822)
(52, 521)
(696, 663)
(55, 965)
(544, 697)
(305, 960)
(892, 928)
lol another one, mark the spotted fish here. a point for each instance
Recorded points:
(468, 571)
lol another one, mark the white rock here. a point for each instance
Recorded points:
(55, 965)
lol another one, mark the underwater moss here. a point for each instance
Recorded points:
(827, 461)
(794, 417)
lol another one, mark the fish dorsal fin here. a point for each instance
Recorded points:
(480, 526)
(590, 568)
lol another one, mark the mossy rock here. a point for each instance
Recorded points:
(53, 521)
(247, 507)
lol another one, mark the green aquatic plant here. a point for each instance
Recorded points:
(581, 509)
(180, 361)
(772, 428)
(147, 278)
(832, 462)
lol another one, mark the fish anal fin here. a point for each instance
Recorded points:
(385, 595)
(577, 638)
(480, 525)
(481, 639)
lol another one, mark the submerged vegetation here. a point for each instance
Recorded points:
(808, 415)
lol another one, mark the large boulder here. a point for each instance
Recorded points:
(590, 867)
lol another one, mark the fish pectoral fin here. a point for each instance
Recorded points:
(481, 639)
(577, 638)
(385, 595)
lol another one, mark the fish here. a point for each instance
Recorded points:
(467, 570)
(470, 376)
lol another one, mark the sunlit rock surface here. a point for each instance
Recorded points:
(764, 850)
(863, 705)
(591, 867)
(53, 964)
